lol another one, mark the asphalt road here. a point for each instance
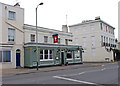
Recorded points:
(106, 73)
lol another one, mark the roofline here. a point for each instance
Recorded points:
(50, 45)
(52, 30)
(91, 21)
(12, 5)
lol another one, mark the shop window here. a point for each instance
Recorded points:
(77, 54)
(46, 54)
(69, 55)
(11, 35)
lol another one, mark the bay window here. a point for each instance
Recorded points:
(5, 56)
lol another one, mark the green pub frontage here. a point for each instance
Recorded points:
(51, 54)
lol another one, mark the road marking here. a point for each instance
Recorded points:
(103, 69)
(74, 80)
(81, 73)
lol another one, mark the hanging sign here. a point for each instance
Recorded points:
(55, 38)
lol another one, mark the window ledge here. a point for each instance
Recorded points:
(47, 60)
(70, 59)
(10, 42)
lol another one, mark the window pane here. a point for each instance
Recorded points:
(6, 56)
(69, 55)
(77, 54)
(46, 56)
(0, 56)
(46, 52)
(11, 33)
(41, 54)
(51, 54)
(50, 51)
(41, 51)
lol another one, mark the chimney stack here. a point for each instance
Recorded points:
(65, 28)
(17, 5)
(97, 18)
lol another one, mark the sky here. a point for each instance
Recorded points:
(52, 14)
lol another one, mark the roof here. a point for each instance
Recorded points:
(47, 30)
(91, 21)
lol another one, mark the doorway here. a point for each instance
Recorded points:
(62, 57)
(17, 57)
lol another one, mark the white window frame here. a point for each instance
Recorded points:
(47, 54)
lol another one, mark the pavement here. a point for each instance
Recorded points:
(18, 71)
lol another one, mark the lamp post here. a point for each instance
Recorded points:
(37, 35)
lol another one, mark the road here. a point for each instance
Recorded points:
(106, 73)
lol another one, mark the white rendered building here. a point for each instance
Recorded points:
(96, 37)
(11, 35)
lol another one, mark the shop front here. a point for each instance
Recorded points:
(51, 54)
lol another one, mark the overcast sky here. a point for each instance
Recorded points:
(53, 13)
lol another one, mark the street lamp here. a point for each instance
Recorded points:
(37, 35)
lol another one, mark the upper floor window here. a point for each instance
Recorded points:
(84, 28)
(32, 38)
(76, 30)
(11, 15)
(66, 41)
(101, 26)
(92, 27)
(45, 39)
(106, 28)
(11, 35)
(93, 41)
